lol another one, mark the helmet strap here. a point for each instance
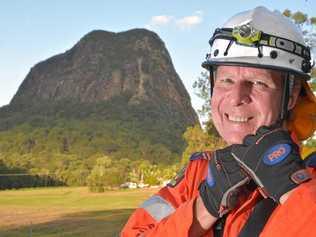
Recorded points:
(288, 82)
(211, 81)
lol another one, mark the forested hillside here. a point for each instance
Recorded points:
(113, 101)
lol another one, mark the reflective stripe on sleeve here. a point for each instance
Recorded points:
(158, 207)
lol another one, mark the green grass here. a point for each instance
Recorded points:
(67, 212)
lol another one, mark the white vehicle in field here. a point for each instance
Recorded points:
(142, 185)
(130, 185)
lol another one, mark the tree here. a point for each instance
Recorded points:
(143, 172)
(200, 140)
(104, 175)
(306, 24)
(203, 90)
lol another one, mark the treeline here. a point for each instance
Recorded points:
(108, 173)
(69, 151)
(98, 154)
(15, 181)
(11, 177)
(64, 142)
(105, 174)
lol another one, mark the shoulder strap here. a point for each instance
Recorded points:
(218, 229)
(258, 218)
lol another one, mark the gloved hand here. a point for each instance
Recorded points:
(220, 190)
(272, 160)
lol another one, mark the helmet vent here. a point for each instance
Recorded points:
(273, 54)
(216, 52)
(291, 60)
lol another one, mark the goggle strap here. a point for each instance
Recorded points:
(266, 40)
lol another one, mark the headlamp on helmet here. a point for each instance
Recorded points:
(246, 34)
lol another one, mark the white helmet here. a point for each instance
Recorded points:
(265, 39)
(260, 38)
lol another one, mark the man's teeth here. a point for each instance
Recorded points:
(238, 119)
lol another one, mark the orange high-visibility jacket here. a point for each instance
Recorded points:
(170, 211)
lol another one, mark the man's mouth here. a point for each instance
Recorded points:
(238, 119)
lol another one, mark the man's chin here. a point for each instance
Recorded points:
(235, 138)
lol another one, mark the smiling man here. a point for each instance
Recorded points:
(244, 99)
(263, 108)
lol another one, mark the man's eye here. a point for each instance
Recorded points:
(225, 80)
(260, 84)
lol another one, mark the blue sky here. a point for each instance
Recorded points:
(34, 30)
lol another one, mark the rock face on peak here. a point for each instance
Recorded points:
(103, 65)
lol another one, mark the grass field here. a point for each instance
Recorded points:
(67, 212)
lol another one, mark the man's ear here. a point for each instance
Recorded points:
(295, 93)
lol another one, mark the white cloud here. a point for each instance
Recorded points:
(189, 21)
(183, 23)
(159, 21)
(198, 12)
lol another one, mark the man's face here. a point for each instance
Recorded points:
(244, 99)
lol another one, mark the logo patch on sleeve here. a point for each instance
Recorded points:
(300, 176)
(276, 154)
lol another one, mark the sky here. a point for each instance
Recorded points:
(35, 30)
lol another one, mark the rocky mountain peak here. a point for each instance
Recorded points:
(103, 65)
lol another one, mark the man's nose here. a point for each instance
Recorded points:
(240, 94)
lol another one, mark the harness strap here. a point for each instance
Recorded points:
(258, 218)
